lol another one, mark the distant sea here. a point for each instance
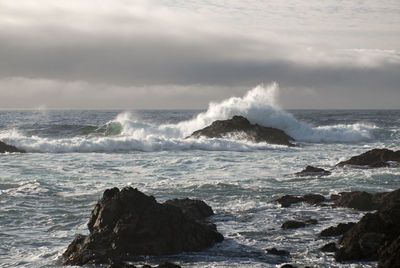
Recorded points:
(47, 194)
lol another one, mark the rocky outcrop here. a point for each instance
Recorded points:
(312, 171)
(297, 224)
(126, 224)
(288, 200)
(371, 236)
(5, 148)
(239, 124)
(373, 158)
(365, 201)
(340, 229)
(196, 209)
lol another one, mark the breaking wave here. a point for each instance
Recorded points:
(129, 133)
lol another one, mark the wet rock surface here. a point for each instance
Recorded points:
(313, 171)
(126, 224)
(340, 229)
(5, 148)
(373, 158)
(239, 124)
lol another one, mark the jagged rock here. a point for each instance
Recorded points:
(370, 235)
(288, 200)
(279, 252)
(373, 158)
(389, 256)
(330, 247)
(313, 171)
(196, 209)
(5, 148)
(126, 224)
(239, 124)
(366, 201)
(340, 229)
(297, 224)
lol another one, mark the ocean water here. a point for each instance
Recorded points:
(47, 194)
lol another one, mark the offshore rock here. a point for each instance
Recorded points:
(368, 239)
(288, 200)
(340, 229)
(291, 224)
(366, 201)
(239, 124)
(126, 224)
(313, 171)
(5, 148)
(373, 158)
(278, 252)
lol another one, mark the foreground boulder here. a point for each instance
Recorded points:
(239, 124)
(373, 158)
(5, 148)
(313, 171)
(366, 201)
(371, 236)
(127, 223)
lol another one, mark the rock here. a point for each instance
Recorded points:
(373, 158)
(313, 171)
(293, 224)
(370, 235)
(330, 247)
(389, 257)
(340, 229)
(279, 252)
(239, 124)
(126, 224)
(5, 148)
(288, 200)
(196, 209)
(366, 201)
(288, 266)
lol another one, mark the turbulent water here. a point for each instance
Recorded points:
(47, 194)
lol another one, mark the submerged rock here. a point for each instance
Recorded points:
(126, 224)
(313, 171)
(340, 229)
(5, 148)
(279, 252)
(239, 124)
(291, 224)
(373, 158)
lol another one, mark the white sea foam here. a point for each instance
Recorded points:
(259, 105)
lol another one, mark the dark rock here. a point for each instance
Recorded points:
(293, 224)
(373, 158)
(366, 201)
(239, 124)
(389, 256)
(370, 235)
(196, 209)
(126, 224)
(313, 199)
(340, 229)
(330, 247)
(288, 200)
(5, 148)
(313, 171)
(288, 266)
(279, 252)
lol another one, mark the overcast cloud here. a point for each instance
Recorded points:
(183, 54)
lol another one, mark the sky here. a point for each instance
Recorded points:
(169, 54)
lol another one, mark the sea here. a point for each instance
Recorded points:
(48, 193)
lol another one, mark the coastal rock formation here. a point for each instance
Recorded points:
(239, 124)
(389, 257)
(127, 223)
(297, 224)
(5, 148)
(373, 158)
(368, 239)
(288, 200)
(340, 229)
(313, 171)
(366, 201)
